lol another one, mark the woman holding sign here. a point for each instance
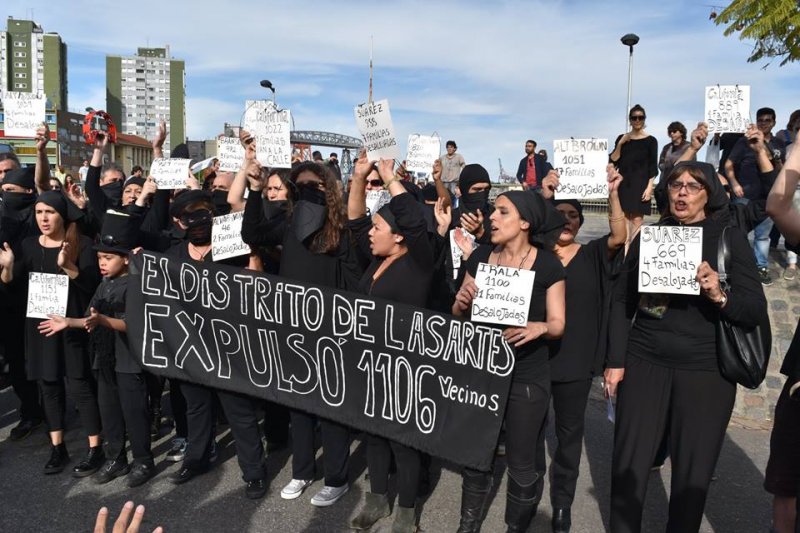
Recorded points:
(61, 251)
(663, 343)
(524, 230)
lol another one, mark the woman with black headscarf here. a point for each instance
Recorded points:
(60, 250)
(524, 229)
(663, 359)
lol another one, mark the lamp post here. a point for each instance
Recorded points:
(268, 85)
(629, 40)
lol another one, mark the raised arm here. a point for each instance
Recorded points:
(441, 190)
(236, 193)
(780, 200)
(158, 140)
(696, 141)
(42, 163)
(616, 217)
(357, 197)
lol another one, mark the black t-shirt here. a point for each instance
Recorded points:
(531, 358)
(109, 299)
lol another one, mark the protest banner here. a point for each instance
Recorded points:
(504, 295)
(47, 295)
(230, 153)
(24, 113)
(170, 173)
(727, 108)
(423, 150)
(377, 199)
(226, 237)
(581, 165)
(375, 125)
(423, 379)
(271, 130)
(668, 259)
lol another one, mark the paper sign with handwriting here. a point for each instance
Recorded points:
(727, 108)
(504, 295)
(226, 237)
(170, 173)
(581, 165)
(423, 150)
(24, 113)
(230, 153)
(375, 125)
(455, 250)
(271, 130)
(376, 200)
(668, 259)
(47, 295)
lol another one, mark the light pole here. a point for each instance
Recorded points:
(268, 85)
(629, 40)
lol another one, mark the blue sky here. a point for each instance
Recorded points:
(487, 74)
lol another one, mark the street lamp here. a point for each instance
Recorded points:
(268, 85)
(629, 40)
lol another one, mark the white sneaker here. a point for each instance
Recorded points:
(295, 488)
(329, 495)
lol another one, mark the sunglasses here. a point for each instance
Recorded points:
(375, 183)
(637, 118)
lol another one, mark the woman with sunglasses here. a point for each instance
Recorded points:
(663, 353)
(636, 156)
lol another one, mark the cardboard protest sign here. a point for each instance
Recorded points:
(24, 113)
(727, 108)
(417, 377)
(170, 173)
(375, 125)
(504, 295)
(423, 150)
(581, 165)
(377, 199)
(226, 237)
(47, 295)
(230, 153)
(668, 259)
(271, 130)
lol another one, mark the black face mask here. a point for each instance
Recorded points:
(308, 218)
(274, 209)
(220, 199)
(474, 201)
(113, 192)
(18, 201)
(311, 193)
(198, 226)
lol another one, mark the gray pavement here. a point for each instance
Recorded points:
(215, 501)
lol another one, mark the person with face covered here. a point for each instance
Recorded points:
(401, 270)
(104, 185)
(524, 229)
(317, 248)
(64, 357)
(195, 213)
(663, 350)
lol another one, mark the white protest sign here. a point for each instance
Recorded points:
(456, 253)
(24, 113)
(271, 130)
(202, 165)
(170, 173)
(377, 199)
(423, 150)
(230, 154)
(226, 237)
(727, 108)
(668, 259)
(504, 295)
(375, 125)
(581, 165)
(47, 295)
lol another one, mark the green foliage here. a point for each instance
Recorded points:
(774, 25)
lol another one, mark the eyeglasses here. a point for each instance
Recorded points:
(375, 183)
(692, 187)
(637, 118)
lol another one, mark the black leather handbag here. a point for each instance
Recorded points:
(743, 352)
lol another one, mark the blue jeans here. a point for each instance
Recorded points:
(760, 238)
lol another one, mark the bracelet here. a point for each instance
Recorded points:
(386, 185)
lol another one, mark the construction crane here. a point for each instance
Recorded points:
(504, 178)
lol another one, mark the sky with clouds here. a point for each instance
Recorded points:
(487, 74)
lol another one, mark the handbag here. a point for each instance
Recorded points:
(742, 352)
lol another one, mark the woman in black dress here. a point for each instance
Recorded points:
(636, 156)
(524, 229)
(64, 356)
(401, 270)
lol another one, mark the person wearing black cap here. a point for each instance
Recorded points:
(663, 359)
(524, 229)
(60, 250)
(131, 191)
(121, 388)
(195, 211)
(401, 270)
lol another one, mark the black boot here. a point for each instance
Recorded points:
(475, 490)
(521, 504)
(562, 520)
(91, 463)
(58, 459)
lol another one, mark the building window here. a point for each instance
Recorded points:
(20, 54)
(20, 75)
(20, 44)
(20, 65)
(20, 85)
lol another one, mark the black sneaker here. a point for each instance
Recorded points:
(111, 469)
(256, 489)
(24, 429)
(763, 275)
(141, 474)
